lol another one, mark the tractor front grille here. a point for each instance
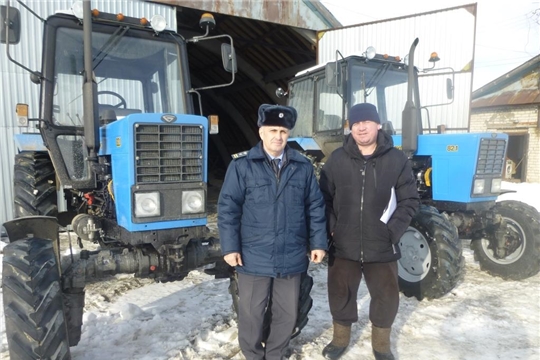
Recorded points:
(491, 157)
(168, 153)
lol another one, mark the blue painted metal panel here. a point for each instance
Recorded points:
(306, 143)
(454, 160)
(117, 140)
(29, 142)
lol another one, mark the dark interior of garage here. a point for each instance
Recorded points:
(268, 55)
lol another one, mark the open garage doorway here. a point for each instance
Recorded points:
(516, 157)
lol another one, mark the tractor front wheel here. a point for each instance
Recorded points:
(519, 258)
(33, 304)
(432, 260)
(34, 185)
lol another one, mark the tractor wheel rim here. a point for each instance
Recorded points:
(513, 257)
(415, 256)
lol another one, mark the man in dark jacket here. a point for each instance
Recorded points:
(270, 215)
(371, 197)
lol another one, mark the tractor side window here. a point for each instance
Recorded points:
(68, 100)
(329, 114)
(74, 154)
(301, 98)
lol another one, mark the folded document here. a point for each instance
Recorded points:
(390, 208)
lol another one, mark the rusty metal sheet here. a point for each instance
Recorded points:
(304, 14)
(517, 97)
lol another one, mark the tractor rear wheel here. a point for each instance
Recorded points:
(520, 258)
(33, 304)
(34, 185)
(305, 303)
(432, 260)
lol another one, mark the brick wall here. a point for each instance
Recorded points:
(513, 120)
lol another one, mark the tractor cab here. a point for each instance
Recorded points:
(324, 94)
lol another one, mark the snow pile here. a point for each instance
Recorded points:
(483, 318)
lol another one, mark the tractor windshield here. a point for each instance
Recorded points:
(381, 84)
(133, 75)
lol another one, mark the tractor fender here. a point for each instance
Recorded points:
(29, 142)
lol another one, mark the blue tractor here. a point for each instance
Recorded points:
(120, 160)
(458, 174)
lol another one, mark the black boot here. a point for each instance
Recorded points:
(339, 343)
(380, 342)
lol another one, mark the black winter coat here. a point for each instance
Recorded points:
(271, 223)
(357, 191)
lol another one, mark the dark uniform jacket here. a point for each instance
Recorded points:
(272, 223)
(357, 191)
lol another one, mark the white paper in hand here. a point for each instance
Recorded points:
(390, 207)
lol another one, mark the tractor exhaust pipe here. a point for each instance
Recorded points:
(411, 127)
(91, 123)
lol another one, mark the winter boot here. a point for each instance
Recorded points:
(340, 341)
(380, 342)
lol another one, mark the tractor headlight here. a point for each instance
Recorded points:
(147, 204)
(496, 186)
(193, 202)
(479, 185)
(158, 23)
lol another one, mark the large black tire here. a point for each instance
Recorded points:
(522, 258)
(432, 260)
(35, 322)
(34, 185)
(305, 303)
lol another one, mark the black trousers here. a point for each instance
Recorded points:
(254, 293)
(382, 282)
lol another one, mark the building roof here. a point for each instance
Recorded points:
(520, 86)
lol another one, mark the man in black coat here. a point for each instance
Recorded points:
(371, 197)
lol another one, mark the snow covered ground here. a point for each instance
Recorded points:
(483, 318)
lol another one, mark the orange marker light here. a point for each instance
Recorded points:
(95, 13)
(434, 57)
(144, 21)
(120, 17)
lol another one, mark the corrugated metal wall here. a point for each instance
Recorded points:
(449, 32)
(16, 86)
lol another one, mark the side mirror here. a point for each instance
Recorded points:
(228, 56)
(331, 75)
(10, 28)
(449, 89)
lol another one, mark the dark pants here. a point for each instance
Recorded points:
(254, 292)
(382, 282)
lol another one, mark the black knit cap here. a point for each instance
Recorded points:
(277, 115)
(363, 112)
